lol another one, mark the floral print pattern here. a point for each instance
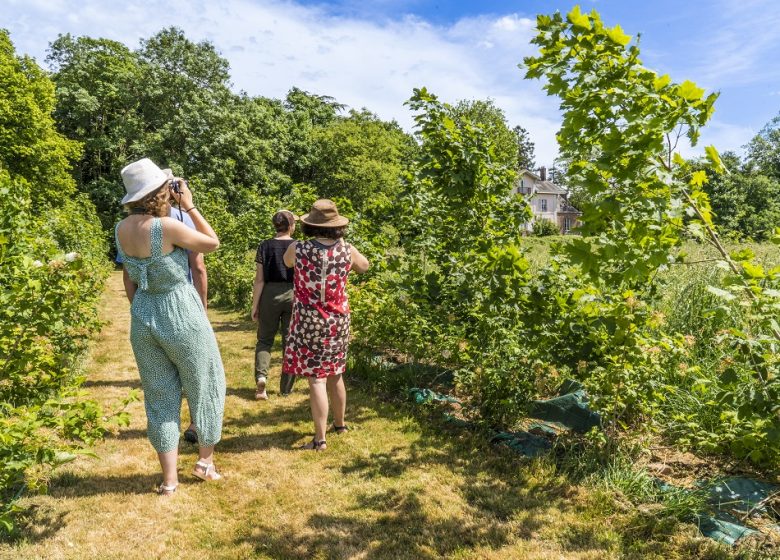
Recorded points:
(319, 330)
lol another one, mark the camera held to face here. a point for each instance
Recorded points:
(176, 186)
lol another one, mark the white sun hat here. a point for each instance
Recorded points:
(141, 178)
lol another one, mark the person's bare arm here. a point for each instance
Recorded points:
(360, 263)
(257, 291)
(200, 278)
(201, 240)
(130, 286)
(289, 255)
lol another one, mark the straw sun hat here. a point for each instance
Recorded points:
(324, 214)
(141, 178)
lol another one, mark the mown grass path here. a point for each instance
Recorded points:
(391, 488)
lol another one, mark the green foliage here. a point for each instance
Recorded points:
(513, 147)
(98, 84)
(745, 202)
(763, 151)
(52, 270)
(544, 227)
(30, 147)
(457, 262)
(458, 293)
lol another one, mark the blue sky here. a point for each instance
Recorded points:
(371, 53)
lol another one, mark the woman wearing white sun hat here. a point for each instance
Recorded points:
(172, 339)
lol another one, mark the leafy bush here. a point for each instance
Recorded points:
(48, 301)
(52, 269)
(544, 227)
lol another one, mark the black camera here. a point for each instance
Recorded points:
(176, 186)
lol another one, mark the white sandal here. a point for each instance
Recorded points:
(163, 490)
(207, 472)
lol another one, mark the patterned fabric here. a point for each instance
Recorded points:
(174, 347)
(319, 331)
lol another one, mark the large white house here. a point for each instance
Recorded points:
(548, 201)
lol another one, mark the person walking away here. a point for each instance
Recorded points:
(272, 297)
(173, 342)
(199, 278)
(319, 331)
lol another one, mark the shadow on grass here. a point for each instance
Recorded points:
(389, 524)
(243, 443)
(127, 383)
(35, 525)
(292, 411)
(491, 504)
(69, 485)
(233, 326)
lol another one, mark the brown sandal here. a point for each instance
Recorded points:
(315, 445)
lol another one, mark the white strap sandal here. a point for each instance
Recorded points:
(207, 472)
(163, 490)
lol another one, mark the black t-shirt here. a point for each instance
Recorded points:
(270, 254)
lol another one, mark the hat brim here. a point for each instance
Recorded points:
(336, 222)
(146, 190)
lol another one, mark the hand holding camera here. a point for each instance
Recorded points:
(181, 192)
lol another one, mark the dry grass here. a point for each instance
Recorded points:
(391, 488)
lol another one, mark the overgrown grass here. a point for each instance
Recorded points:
(396, 486)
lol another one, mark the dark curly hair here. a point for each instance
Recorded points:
(320, 231)
(156, 203)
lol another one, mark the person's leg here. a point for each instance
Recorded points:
(162, 398)
(286, 381)
(268, 324)
(168, 462)
(203, 378)
(338, 397)
(318, 399)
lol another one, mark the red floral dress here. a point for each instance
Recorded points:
(319, 330)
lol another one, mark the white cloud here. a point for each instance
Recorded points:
(724, 136)
(741, 47)
(272, 46)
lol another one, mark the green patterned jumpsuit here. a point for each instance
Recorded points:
(174, 346)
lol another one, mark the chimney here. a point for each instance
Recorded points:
(543, 173)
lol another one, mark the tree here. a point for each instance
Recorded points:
(30, 146)
(763, 151)
(361, 158)
(305, 112)
(186, 89)
(513, 147)
(99, 92)
(525, 148)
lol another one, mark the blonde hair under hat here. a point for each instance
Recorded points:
(141, 178)
(324, 214)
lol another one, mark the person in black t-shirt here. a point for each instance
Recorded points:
(272, 299)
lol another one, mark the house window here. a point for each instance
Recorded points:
(543, 205)
(566, 224)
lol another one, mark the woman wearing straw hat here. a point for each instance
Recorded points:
(172, 339)
(319, 330)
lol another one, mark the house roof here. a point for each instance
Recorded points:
(567, 208)
(546, 187)
(531, 173)
(543, 187)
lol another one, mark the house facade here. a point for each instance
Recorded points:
(548, 201)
